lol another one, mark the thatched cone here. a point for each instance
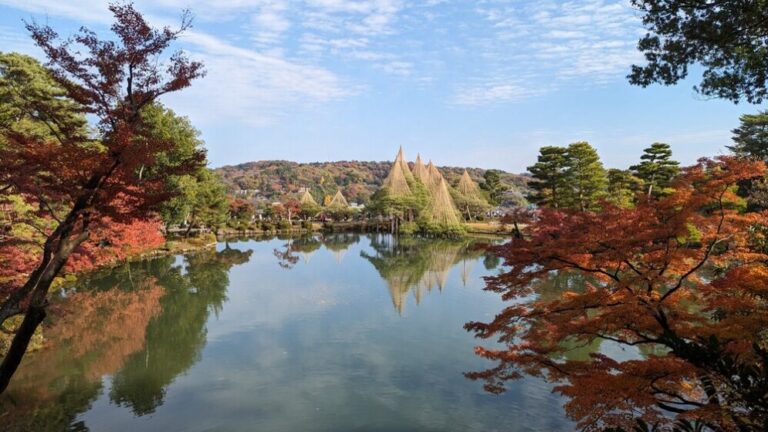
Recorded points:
(306, 198)
(339, 201)
(400, 160)
(442, 206)
(397, 179)
(433, 174)
(420, 171)
(467, 186)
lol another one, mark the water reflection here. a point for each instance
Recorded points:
(202, 342)
(419, 265)
(305, 246)
(143, 322)
(175, 338)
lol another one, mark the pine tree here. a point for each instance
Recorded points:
(585, 177)
(548, 177)
(657, 168)
(622, 187)
(751, 137)
(493, 186)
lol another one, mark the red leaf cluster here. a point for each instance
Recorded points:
(682, 278)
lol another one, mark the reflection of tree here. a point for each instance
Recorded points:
(418, 264)
(287, 254)
(338, 243)
(144, 323)
(491, 261)
(92, 334)
(176, 337)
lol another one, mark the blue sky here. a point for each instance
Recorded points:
(466, 83)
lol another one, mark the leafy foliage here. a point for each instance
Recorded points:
(493, 185)
(678, 277)
(656, 169)
(751, 137)
(586, 177)
(82, 178)
(270, 181)
(568, 177)
(729, 39)
(548, 172)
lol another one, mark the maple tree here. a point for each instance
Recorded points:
(681, 278)
(78, 178)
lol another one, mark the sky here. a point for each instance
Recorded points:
(481, 83)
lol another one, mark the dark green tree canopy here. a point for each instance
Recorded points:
(32, 103)
(656, 169)
(585, 175)
(549, 177)
(622, 187)
(751, 137)
(729, 39)
(493, 186)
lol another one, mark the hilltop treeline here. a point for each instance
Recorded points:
(357, 180)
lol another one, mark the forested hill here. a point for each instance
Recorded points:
(357, 180)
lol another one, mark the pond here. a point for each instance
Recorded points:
(341, 332)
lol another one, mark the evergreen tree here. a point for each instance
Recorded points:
(622, 187)
(656, 169)
(725, 38)
(34, 104)
(493, 186)
(585, 177)
(751, 137)
(548, 177)
(751, 141)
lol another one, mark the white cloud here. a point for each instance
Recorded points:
(590, 42)
(253, 87)
(485, 52)
(496, 92)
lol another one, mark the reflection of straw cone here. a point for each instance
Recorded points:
(442, 278)
(466, 271)
(339, 254)
(398, 288)
(418, 293)
(306, 257)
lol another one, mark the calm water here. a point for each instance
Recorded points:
(335, 333)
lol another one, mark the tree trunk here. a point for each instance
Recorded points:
(39, 284)
(33, 318)
(56, 250)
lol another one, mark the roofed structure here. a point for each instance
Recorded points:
(306, 198)
(338, 200)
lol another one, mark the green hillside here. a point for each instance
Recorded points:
(273, 180)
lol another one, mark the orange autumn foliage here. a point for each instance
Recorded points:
(90, 334)
(86, 178)
(114, 241)
(682, 278)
